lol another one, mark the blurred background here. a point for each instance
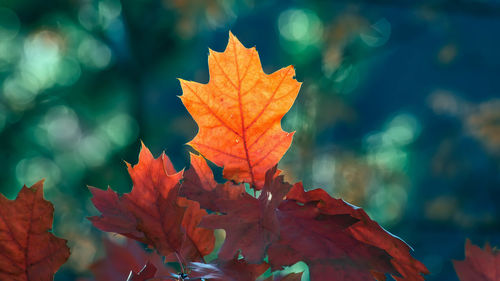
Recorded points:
(399, 111)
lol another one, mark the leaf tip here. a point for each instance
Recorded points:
(143, 146)
(234, 40)
(38, 185)
(232, 37)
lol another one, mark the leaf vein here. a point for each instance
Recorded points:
(269, 100)
(212, 112)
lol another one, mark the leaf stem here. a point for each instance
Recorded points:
(180, 262)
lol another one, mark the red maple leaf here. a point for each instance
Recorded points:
(232, 270)
(153, 213)
(200, 241)
(320, 240)
(199, 185)
(478, 265)
(120, 260)
(338, 239)
(28, 251)
(251, 224)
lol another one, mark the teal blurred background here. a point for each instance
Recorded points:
(399, 111)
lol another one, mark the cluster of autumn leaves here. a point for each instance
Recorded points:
(174, 213)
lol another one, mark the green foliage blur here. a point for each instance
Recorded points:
(399, 112)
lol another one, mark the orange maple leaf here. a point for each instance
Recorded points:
(239, 113)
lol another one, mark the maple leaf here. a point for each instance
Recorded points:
(199, 185)
(202, 239)
(28, 251)
(232, 270)
(478, 265)
(251, 224)
(320, 241)
(239, 113)
(338, 239)
(120, 260)
(153, 213)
